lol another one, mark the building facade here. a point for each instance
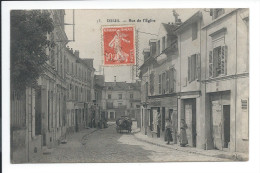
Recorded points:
(225, 79)
(211, 91)
(80, 83)
(37, 117)
(122, 99)
(61, 103)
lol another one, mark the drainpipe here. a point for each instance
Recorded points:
(236, 91)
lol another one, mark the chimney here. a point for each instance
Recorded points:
(76, 53)
(176, 15)
(114, 80)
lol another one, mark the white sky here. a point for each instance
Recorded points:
(88, 33)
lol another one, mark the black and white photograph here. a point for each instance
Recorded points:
(144, 85)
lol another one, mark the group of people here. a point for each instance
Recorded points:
(182, 136)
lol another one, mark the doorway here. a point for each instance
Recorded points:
(226, 119)
(163, 119)
(190, 118)
(76, 120)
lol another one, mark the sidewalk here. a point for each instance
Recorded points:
(210, 153)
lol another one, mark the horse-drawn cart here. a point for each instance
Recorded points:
(123, 124)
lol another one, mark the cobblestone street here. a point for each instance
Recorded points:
(106, 145)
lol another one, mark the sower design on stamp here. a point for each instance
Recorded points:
(118, 44)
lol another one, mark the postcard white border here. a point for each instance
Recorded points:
(251, 166)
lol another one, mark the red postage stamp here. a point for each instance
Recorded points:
(119, 45)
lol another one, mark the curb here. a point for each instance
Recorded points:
(234, 157)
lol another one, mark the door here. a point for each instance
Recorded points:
(151, 120)
(112, 116)
(226, 118)
(217, 124)
(194, 131)
(163, 119)
(190, 118)
(38, 111)
(76, 120)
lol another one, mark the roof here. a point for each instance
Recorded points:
(88, 62)
(122, 86)
(170, 28)
(195, 17)
(99, 80)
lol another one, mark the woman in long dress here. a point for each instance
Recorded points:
(183, 135)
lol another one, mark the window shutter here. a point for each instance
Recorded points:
(210, 64)
(189, 66)
(224, 60)
(174, 80)
(198, 66)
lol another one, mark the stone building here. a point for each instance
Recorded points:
(122, 99)
(158, 83)
(37, 117)
(225, 79)
(99, 101)
(80, 83)
(211, 60)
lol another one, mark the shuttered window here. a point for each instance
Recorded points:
(152, 83)
(218, 61)
(193, 67)
(163, 83)
(210, 64)
(167, 81)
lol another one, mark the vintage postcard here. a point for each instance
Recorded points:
(129, 85)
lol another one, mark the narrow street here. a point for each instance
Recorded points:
(106, 145)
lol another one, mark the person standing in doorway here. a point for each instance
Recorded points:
(183, 135)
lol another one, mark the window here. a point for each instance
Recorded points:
(152, 83)
(163, 43)
(218, 61)
(163, 83)
(193, 67)
(109, 96)
(160, 84)
(131, 105)
(167, 81)
(120, 96)
(172, 80)
(137, 106)
(88, 95)
(146, 89)
(72, 68)
(158, 47)
(194, 31)
(131, 96)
